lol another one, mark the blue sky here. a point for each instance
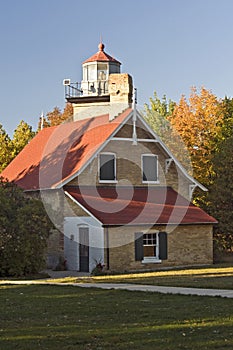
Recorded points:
(166, 45)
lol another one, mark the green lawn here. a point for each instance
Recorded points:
(217, 277)
(52, 317)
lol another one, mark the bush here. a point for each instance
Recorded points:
(24, 229)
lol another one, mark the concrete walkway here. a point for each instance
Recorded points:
(133, 287)
(161, 289)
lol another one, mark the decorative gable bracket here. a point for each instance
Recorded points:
(168, 162)
(191, 189)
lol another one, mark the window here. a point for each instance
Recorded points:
(107, 167)
(150, 247)
(102, 71)
(149, 168)
(91, 72)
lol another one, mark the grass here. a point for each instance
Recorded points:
(69, 318)
(211, 277)
(217, 277)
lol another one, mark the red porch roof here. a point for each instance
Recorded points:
(140, 205)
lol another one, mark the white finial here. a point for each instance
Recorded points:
(134, 117)
(42, 121)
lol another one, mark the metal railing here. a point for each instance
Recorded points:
(88, 88)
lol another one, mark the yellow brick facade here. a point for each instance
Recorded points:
(187, 245)
(129, 167)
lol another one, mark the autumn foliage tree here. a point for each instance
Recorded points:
(158, 115)
(56, 116)
(199, 123)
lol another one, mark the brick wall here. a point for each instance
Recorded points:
(187, 245)
(129, 167)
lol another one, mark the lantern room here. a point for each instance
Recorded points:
(96, 71)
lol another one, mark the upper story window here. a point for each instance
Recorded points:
(107, 167)
(149, 168)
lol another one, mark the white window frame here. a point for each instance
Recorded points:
(155, 258)
(157, 173)
(107, 181)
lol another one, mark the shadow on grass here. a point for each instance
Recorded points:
(51, 317)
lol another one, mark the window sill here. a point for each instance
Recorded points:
(151, 260)
(151, 182)
(108, 181)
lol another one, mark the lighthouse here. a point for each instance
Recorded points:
(103, 88)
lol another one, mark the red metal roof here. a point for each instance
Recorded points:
(139, 205)
(57, 153)
(101, 56)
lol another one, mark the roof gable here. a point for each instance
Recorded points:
(56, 154)
(166, 149)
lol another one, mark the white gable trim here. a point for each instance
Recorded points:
(156, 139)
(82, 207)
(178, 164)
(70, 178)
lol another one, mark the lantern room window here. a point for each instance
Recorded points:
(102, 71)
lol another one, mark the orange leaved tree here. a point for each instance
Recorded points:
(199, 123)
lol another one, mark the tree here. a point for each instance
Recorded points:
(21, 137)
(199, 123)
(5, 149)
(220, 197)
(227, 110)
(56, 117)
(156, 115)
(24, 229)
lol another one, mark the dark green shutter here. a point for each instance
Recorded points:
(163, 245)
(139, 246)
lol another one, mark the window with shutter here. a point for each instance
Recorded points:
(150, 247)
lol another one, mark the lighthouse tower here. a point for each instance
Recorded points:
(103, 89)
